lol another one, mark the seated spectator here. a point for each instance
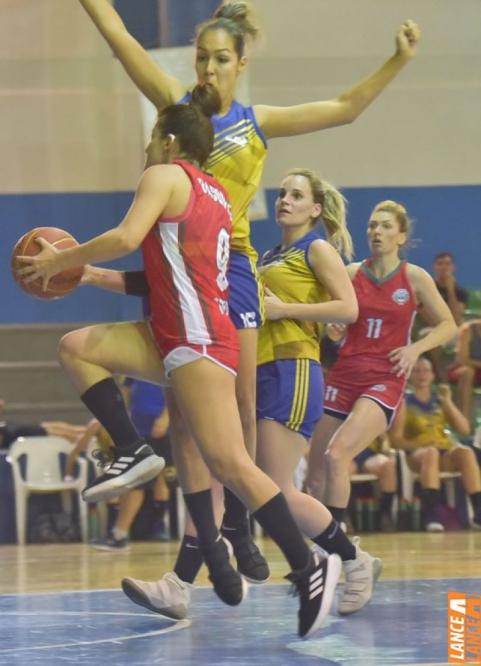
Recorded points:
(150, 416)
(376, 459)
(456, 298)
(444, 276)
(421, 428)
(466, 373)
(10, 431)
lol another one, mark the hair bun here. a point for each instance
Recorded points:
(240, 13)
(206, 98)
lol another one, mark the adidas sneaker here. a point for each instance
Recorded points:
(316, 586)
(128, 468)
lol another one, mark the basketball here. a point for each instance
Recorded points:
(59, 285)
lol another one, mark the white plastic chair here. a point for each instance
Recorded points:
(43, 474)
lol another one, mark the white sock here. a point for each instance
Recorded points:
(119, 534)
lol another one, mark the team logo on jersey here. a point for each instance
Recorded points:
(239, 140)
(378, 387)
(400, 296)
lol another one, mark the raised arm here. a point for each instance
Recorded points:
(158, 86)
(310, 117)
(453, 414)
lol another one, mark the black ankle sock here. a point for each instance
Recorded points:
(385, 505)
(431, 498)
(202, 513)
(274, 516)
(333, 540)
(189, 559)
(476, 503)
(337, 513)
(106, 403)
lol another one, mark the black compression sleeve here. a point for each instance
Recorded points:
(136, 283)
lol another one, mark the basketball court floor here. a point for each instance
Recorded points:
(61, 604)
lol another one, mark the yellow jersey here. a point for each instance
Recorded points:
(237, 161)
(426, 423)
(286, 272)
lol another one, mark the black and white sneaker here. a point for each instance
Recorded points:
(127, 469)
(316, 587)
(228, 584)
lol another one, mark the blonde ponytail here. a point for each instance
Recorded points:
(333, 211)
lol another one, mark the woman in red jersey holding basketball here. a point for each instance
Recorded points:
(181, 217)
(367, 382)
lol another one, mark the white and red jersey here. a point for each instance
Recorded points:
(186, 259)
(386, 312)
(363, 369)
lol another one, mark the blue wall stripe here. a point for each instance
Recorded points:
(446, 218)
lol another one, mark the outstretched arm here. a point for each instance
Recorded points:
(132, 283)
(158, 86)
(152, 195)
(304, 118)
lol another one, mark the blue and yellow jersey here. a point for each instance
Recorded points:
(286, 272)
(426, 423)
(237, 161)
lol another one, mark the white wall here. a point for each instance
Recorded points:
(424, 130)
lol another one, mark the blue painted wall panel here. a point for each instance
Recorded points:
(443, 217)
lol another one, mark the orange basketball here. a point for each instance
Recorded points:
(59, 285)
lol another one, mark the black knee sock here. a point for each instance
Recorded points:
(337, 513)
(106, 403)
(202, 513)
(274, 516)
(189, 559)
(385, 505)
(235, 523)
(333, 540)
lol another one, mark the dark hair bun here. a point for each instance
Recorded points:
(206, 98)
(240, 13)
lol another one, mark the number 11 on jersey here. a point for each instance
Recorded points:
(374, 328)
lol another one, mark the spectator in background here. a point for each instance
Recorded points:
(149, 415)
(421, 428)
(10, 431)
(376, 459)
(466, 373)
(455, 296)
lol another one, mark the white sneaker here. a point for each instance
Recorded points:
(434, 526)
(361, 575)
(168, 596)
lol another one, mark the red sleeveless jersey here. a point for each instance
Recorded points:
(186, 259)
(386, 313)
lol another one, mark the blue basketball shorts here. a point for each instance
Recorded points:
(245, 298)
(290, 391)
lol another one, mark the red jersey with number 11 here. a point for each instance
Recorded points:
(386, 312)
(186, 259)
